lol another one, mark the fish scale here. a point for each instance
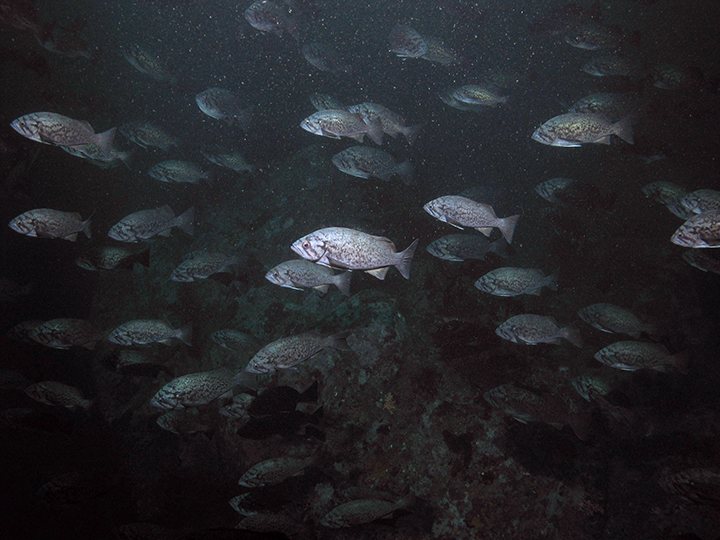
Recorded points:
(195, 389)
(287, 352)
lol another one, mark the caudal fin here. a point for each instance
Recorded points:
(405, 171)
(185, 221)
(342, 282)
(86, 228)
(507, 227)
(411, 133)
(573, 336)
(375, 132)
(623, 129)
(552, 281)
(406, 258)
(104, 141)
(185, 335)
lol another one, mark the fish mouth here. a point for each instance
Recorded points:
(541, 137)
(680, 239)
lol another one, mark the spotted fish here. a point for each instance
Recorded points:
(286, 353)
(49, 223)
(576, 129)
(462, 212)
(58, 130)
(198, 388)
(144, 224)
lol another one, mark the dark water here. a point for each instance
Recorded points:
(404, 411)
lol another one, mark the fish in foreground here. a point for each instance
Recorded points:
(462, 212)
(391, 122)
(664, 192)
(97, 157)
(59, 130)
(66, 333)
(459, 247)
(335, 123)
(406, 42)
(614, 319)
(530, 329)
(516, 281)
(287, 352)
(526, 406)
(700, 231)
(636, 355)
(299, 274)
(368, 162)
(49, 223)
(363, 511)
(55, 393)
(576, 129)
(223, 105)
(699, 201)
(144, 224)
(203, 264)
(112, 258)
(702, 261)
(147, 331)
(338, 247)
(234, 340)
(200, 388)
(273, 471)
(149, 135)
(179, 172)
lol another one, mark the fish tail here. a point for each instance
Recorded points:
(338, 341)
(411, 133)
(573, 336)
(185, 335)
(552, 280)
(507, 227)
(407, 501)
(104, 141)
(375, 132)
(342, 282)
(500, 248)
(623, 129)
(405, 171)
(185, 221)
(580, 423)
(86, 227)
(406, 258)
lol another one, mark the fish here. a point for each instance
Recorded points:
(239, 407)
(516, 281)
(267, 16)
(702, 261)
(462, 212)
(183, 421)
(112, 258)
(325, 58)
(700, 201)
(228, 158)
(526, 406)
(323, 102)
(202, 264)
(147, 331)
(21, 331)
(700, 231)
(614, 319)
(66, 333)
(576, 129)
(55, 393)
(144, 224)
(664, 192)
(299, 274)
(336, 123)
(460, 247)
(93, 154)
(288, 352)
(447, 97)
(593, 36)
(530, 329)
(368, 162)
(179, 172)
(273, 471)
(612, 106)
(390, 122)
(361, 511)
(223, 105)
(58, 130)
(148, 63)
(233, 340)
(339, 247)
(672, 77)
(199, 388)
(66, 41)
(49, 223)
(549, 189)
(440, 53)
(698, 486)
(406, 42)
(612, 66)
(591, 386)
(149, 135)
(637, 355)
(477, 95)
(137, 363)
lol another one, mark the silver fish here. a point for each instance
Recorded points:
(228, 158)
(614, 319)
(459, 247)
(273, 471)
(406, 42)
(149, 63)
(223, 105)
(592, 36)
(439, 53)
(322, 102)
(234, 340)
(612, 66)
(267, 16)
(197, 388)
(462, 212)
(390, 122)
(339, 247)
(636, 355)
(516, 281)
(612, 106)
(112, 258)
(179, 172)
(287, 352)
(700, 201)
(368, 162)
(145, 224)
(325, 58)
(66, 333)
(363, 511)
(700, 231)
(477, 95)
(148, 134)
(49, 223)
(576, 129)
(702, 261)
(299, 274)
(335, 123)
(147, 331)
(55, 393)
(203, 264)
(59, 130)
(530, 329)
(448, 98)
(183, 421)
(93, 154)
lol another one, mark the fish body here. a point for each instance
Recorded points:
(267, 16)
(672, 77)
(112, 258)
(58, 130)
(636, 355)
(614, 319)
(149, 135)
(239, 407)
(699, 486)
(179, 172)
(203, 264)
(460, 247)
(273, 471)
(593, 36)
(390, 122)
(611, 105)
(406, 42)
(664, 192)
(530, 329)
(299, 274)
(91, 153)
(323, 102)
(325, 58)
(286, 353)
(144, 224)
(477, 95)
(702, 261)
(516, 281)
(148, 63)
(147, 331)
(700, 231)
(448, 98)
(228, 158)
(462, 212)
(55, 393)
(612, 66)
(363, 511)
(339, 247)
(589, 386)
(223, 105)
(233, 340)
(368, 162)
(22, 331)
(700, 201)
(440, 53)
(336, 123)
(196, 389)
(576, 129)
(66, 333)
(49, 223)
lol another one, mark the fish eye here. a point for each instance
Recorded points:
(306, 244)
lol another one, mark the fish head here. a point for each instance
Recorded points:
(683, 237)
(310, 247)
(486, 284)
(27, 126)
(277, 277)
(257, 367)
(21, 224)
(435, 209)
(506, 332)
(165, 400)
(121, 233)
(312, 125)
(543, 136)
